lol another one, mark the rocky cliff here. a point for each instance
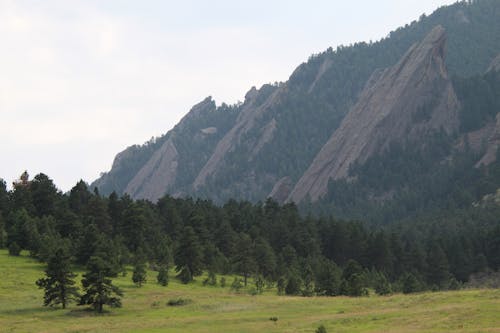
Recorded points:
(403, 103)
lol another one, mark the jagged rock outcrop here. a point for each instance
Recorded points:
(406, 101)
(253, 109)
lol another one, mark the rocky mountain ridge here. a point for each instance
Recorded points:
(340, 108)
(417, 87)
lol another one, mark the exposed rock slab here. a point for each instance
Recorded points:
(495, 65)
(493, 145)
(155, 177)
(252, 110)
(406, 102)
(281, 189)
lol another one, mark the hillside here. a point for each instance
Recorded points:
(267, 144)
(145, 309)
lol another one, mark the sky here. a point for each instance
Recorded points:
(82, 80)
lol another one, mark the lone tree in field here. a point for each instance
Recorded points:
(98, 287)
(59, 284)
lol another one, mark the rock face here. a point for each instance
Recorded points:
(400, 104)
(495, 65)
(253, 109)
(157, 175)
(492, 145)
(281, 189)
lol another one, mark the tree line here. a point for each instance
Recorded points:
(264, 243)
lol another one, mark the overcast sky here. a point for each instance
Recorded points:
(82, 80)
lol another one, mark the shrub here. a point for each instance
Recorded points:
(14, 249)
(321, 329)
(237, 284)
(179, 301)
(211, 280)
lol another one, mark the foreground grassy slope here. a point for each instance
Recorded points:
(215, 309)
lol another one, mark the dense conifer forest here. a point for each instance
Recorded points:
(269, 243)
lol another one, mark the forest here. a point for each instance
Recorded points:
(272, 244)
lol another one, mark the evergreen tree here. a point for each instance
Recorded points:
(139, 274)
(44, 195)
(244, 260)
(293, 284)
(353, 280)
(59, 285)
(308, 278)
(382, 285)
(410, 284)
(438, 269)
(97, 285)
(188, 256)
(162, 277)
(14, 249)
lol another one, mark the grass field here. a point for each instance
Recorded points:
(216, 309)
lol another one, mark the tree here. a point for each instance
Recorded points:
(410, 284)
(162, 277)
(265, 258)
(438, 268)
(328, 279)
(14, 249)
(98, 287)
(353, 284)
(59, 285)
(293, 285)
(382, 285)
(188, 256)
(139, 275)
(244, 261)
(43, 195)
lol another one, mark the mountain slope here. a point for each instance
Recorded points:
(404, 103)
(266, 144)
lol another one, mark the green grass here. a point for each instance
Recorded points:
(214, 309)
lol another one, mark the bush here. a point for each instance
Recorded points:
(211, 280)
(237, 284)
(293, 285)
(179, 301)
(223, 282)
(14, 249)
(185, 275)
(321, 329)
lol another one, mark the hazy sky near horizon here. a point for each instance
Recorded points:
(81, 80)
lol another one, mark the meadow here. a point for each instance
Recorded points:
(216, 309)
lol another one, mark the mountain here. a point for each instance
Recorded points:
(403, 102)
(331, 136)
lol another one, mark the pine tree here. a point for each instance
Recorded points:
(98, 287)
(139, 274)
(59, 284)
(188, 256)
(162, 277)
(244, 260)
